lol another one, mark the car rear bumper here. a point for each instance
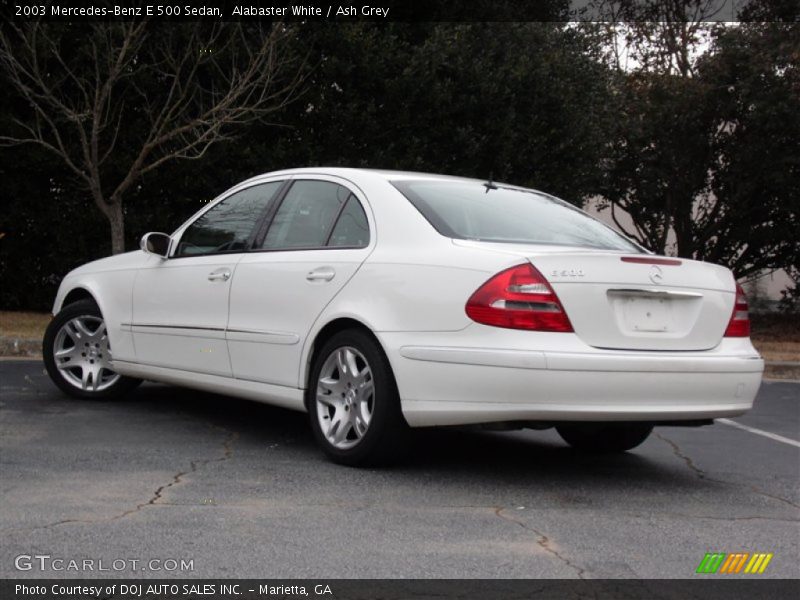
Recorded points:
(460, 384)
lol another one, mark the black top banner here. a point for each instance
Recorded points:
(405, 10)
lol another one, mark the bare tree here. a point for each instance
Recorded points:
(656, 36)
(114, 101)
(661, 179)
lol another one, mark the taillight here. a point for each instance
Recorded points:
(739, 325)
(518, 298)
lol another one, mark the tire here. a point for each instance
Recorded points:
(356, 419)
(77, 336)
(604, 437)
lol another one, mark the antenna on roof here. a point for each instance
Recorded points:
(489, 185)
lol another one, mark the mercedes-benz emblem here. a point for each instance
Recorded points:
(656, 276)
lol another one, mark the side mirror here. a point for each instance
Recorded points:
(156, 243)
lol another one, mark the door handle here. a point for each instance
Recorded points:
(321, 274)
(220, 275)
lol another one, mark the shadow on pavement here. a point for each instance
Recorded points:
(452, 453)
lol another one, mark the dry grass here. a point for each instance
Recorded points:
(789, 351)
(777, 337)
(25, 325)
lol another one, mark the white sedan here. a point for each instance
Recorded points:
(378, 301)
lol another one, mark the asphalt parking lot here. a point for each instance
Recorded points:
(239, 489)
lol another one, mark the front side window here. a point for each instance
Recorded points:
(475, 211)
(227, 227)
(315, 214)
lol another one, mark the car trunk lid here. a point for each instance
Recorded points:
(635, 302)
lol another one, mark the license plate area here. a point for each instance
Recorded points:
(649, 311)
(646, 313)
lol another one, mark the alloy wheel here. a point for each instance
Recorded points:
(82, 354)
(345, 397)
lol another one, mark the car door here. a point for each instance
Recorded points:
(312, 244)
(180, 305)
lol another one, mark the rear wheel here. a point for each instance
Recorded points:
(77, 354)
(353, 403)
(604, 437)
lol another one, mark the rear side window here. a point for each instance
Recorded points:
(315, 214)
(227, 226)
(352, 229)
(471, 210)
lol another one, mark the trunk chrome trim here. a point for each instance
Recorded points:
(651, 292)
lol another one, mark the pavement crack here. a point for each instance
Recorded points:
(542, 541)
(158, 494)
(758, 490)
(711, 518)
(194, 466)
(676, 450)
(701, 474)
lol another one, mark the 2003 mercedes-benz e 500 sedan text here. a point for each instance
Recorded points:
(379, 300)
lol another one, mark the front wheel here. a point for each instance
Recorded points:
(77, 354)
(353, 403)
(604, 437)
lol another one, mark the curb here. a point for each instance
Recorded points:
(782, 370)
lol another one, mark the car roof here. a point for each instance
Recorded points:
(387, 174)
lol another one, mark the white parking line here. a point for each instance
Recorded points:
(766, 434)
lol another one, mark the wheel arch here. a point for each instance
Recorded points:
(82, 289)
(325, 333)
(74, 295)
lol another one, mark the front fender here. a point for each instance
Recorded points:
(112, 291)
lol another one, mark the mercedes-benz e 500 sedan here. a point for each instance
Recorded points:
(378, 301)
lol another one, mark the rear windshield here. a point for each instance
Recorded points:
(475, 211)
